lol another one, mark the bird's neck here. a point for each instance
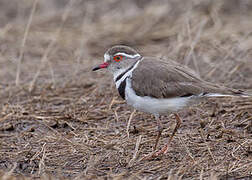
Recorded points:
(125, 71)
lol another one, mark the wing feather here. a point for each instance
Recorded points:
(165, 79)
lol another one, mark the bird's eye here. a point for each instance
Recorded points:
(118, 58)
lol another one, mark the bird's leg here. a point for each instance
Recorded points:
(165, 148)
(160, 130)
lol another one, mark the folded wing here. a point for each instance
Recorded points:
(164, 79)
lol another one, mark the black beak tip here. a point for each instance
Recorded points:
(95, 68)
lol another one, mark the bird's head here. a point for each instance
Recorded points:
(119, 58)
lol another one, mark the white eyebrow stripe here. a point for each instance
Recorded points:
(106, 57)
(128, 55)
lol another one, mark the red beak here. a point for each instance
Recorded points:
(104, 65)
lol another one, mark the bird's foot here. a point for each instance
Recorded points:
(155, 154)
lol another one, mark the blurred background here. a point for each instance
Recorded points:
(57, 39)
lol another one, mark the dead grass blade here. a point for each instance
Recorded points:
(195, 41)
(138, 142)
(129, 121)
(22, 48)
(50, 47)
(42, 160)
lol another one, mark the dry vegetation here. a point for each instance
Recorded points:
(60, 120)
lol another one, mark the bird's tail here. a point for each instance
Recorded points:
(245, 95)
(215, 90)
(227, 92)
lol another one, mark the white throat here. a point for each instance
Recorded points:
(116, 74)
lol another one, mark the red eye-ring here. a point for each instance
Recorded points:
(118, 58)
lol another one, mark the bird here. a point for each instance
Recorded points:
(158, 86)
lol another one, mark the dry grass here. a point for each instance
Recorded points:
(60, 120)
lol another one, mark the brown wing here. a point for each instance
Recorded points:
(162, 79)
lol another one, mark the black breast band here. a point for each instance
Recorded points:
(121, 88)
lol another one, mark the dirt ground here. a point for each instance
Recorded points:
(60, 120)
